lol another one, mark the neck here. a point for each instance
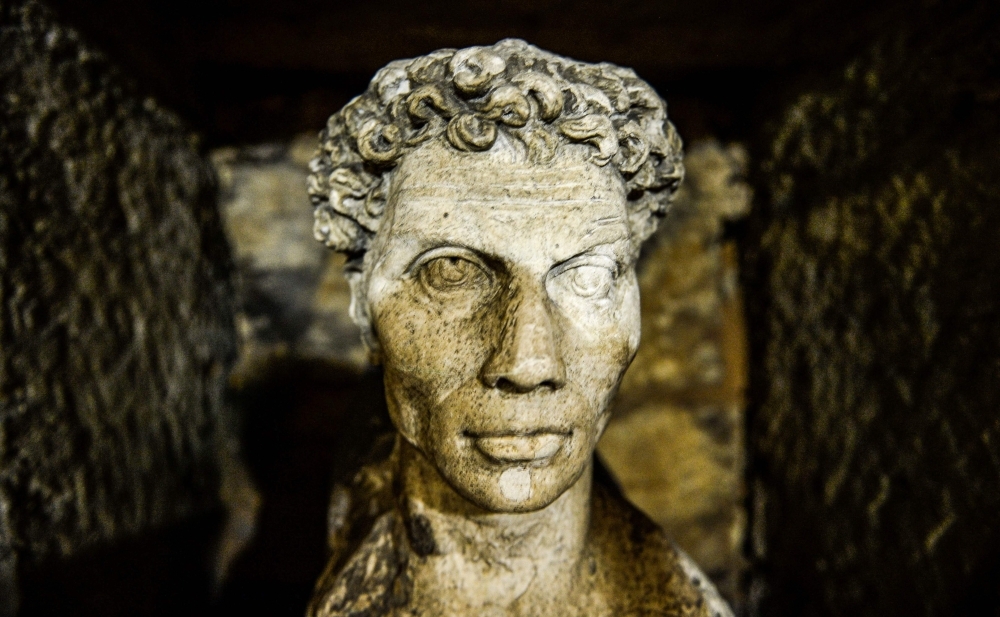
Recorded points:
(506, 559)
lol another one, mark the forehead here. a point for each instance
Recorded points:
(502, 203)
(504, 173)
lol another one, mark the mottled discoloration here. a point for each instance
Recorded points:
(675, 441)
(495, 215)
(629, 566)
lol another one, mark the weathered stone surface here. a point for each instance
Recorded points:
(676, 442)
(492, 202)
(874, 299)
(115, 318)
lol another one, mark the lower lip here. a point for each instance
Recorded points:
(534, 448)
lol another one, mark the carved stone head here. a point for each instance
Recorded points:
(492, 201)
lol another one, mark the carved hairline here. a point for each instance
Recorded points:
(466, 98)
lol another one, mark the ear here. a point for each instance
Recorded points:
(358, 310)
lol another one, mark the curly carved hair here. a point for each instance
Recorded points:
(469, 97)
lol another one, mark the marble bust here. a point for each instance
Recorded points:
(492, 202)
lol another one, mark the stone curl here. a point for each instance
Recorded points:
(469, 97)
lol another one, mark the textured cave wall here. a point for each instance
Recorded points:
(115, 322)
(874, 297)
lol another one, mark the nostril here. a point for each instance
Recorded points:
(505, 385)
(515, 386)
(526, 356)
(552, 384)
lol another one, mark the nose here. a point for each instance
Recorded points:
(526, 356)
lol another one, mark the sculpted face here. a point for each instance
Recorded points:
(504, 299)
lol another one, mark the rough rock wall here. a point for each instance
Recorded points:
(873, 300)
(293, 293)
(115, 322)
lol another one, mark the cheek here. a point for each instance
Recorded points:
(430, 348)
(630, 315)
(602, 341)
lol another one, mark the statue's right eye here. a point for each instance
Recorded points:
(451, 273)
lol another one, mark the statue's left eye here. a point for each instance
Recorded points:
(591, 281)
(451, 272)
(590, 278)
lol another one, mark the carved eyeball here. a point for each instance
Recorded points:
(449, 273)
(590, 281)
(584, 282)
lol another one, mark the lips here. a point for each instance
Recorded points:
(521, 448)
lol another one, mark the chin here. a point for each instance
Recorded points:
(514, 488)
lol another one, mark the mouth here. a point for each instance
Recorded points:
(535, 447)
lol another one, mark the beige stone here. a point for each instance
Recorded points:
(492, 202)
(292, 299)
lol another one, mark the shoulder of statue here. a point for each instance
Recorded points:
(368, 581)
(717, 607)
(367, 553)
(356, 505)
(644, 563)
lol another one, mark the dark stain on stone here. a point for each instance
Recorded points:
(421, 535)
